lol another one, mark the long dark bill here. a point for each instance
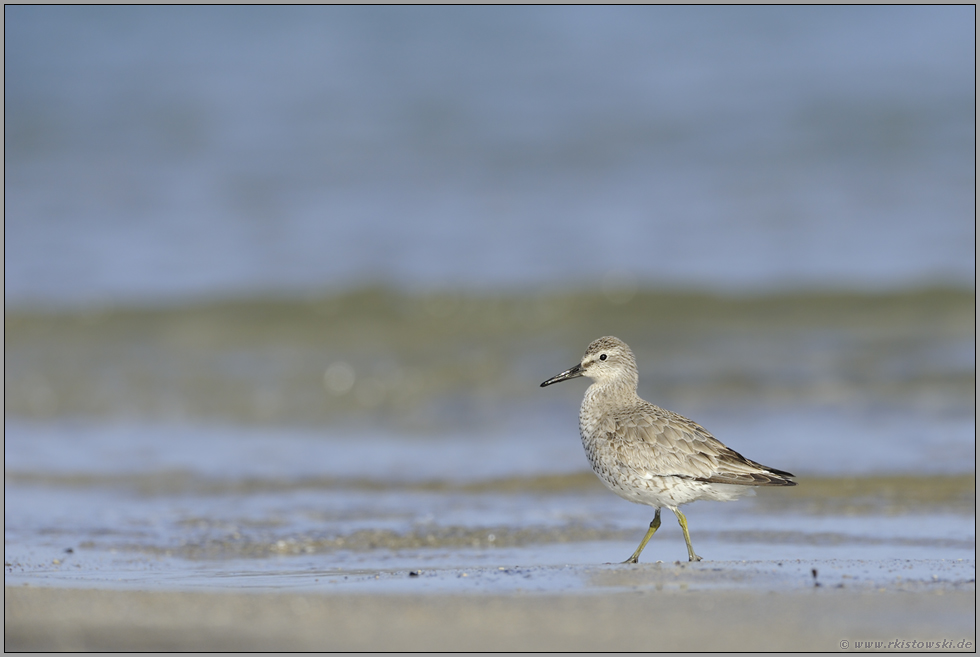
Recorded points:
(571, 373)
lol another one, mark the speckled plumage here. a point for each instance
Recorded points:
(649, 455)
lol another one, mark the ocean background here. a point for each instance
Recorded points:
(274, 276)
(172, 153)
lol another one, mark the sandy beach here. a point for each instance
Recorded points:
(101, 620)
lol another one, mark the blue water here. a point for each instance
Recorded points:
(807, 441)
(160, 153)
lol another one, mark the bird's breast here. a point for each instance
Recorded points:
(596, 426)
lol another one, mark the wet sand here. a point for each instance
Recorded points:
(643, 620)
(895, 560)
(712, 605)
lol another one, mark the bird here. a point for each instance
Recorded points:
(649, 455)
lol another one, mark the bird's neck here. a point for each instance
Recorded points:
(622, 389)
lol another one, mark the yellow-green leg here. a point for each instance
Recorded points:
(654, 526)
(687, 536)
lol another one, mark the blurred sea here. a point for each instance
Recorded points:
(163, 153)
(247, 247)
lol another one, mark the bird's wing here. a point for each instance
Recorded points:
(664, 443)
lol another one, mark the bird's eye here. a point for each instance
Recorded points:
(602, 357)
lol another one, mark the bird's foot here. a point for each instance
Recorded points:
(694, 557)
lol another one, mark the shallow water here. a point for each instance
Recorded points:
(375, 432)
(281, 284)
(283, 544)
(203, 507)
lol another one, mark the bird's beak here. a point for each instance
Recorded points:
(571, 373)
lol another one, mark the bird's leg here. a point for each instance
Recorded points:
(687, 536)
(654, 526)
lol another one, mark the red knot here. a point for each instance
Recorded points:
(649, 455)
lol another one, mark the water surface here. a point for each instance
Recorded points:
(160, 153)
(280, 285)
